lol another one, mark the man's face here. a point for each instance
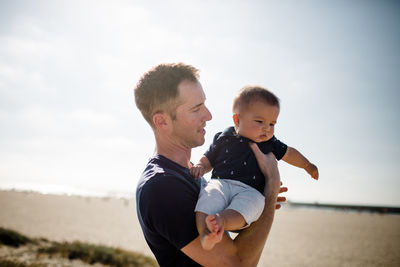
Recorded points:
(191, 115)
(257, 122)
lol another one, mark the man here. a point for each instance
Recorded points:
(172, 101)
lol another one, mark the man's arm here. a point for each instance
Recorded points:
(246, 248)
(295, 158)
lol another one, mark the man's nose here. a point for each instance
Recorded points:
(207, 115)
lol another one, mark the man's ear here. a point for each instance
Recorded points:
(160, 120)
(236, 119)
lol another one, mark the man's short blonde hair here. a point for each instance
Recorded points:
(157, 90)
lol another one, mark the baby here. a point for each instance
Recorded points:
(233, 198)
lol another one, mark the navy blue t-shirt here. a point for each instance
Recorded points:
(166, 197)
(232, 158)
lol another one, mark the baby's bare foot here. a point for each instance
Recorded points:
(214, 235)
(212, 224)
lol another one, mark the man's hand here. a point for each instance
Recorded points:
(281, 199)
(269, 167)
(312, 170)
(197, 171)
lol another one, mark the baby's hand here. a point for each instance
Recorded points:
(197, 171)
(312, 171)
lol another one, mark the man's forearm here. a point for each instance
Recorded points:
(250, 242)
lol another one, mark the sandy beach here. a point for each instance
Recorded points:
(299, 237)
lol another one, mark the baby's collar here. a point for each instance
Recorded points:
(231, 132)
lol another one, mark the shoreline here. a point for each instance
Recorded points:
(346, 208)
(381, 209)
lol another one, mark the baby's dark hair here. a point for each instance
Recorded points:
(250, 94)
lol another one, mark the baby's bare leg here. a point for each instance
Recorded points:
(230, 220)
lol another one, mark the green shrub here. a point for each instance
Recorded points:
(12, 238)
(98, 254)
(13, 263)
(76, 250)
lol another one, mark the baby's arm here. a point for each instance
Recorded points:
(201, 168)
(295, 158)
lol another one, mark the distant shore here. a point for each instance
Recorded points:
(342, 207)
(299, 236)
(128, 196)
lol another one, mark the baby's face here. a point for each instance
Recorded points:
(257, 122)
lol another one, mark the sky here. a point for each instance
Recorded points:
(69, 124)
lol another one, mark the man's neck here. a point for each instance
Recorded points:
(175, 153)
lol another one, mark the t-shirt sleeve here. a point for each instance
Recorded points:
(278, 148)
(211, 152)
(169, 210)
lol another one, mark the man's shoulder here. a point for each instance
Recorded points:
(157, 167)
(153, 170)
(161, 173)
(164, 188)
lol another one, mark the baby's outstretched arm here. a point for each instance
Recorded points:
(201, 168)
(295, 158)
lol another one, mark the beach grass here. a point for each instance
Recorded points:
(15, 263)
(97, 254)
(12, 238)
(76, 250)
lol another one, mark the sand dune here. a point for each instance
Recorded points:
(299, 237)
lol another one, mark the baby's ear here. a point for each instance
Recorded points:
(235, 118)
